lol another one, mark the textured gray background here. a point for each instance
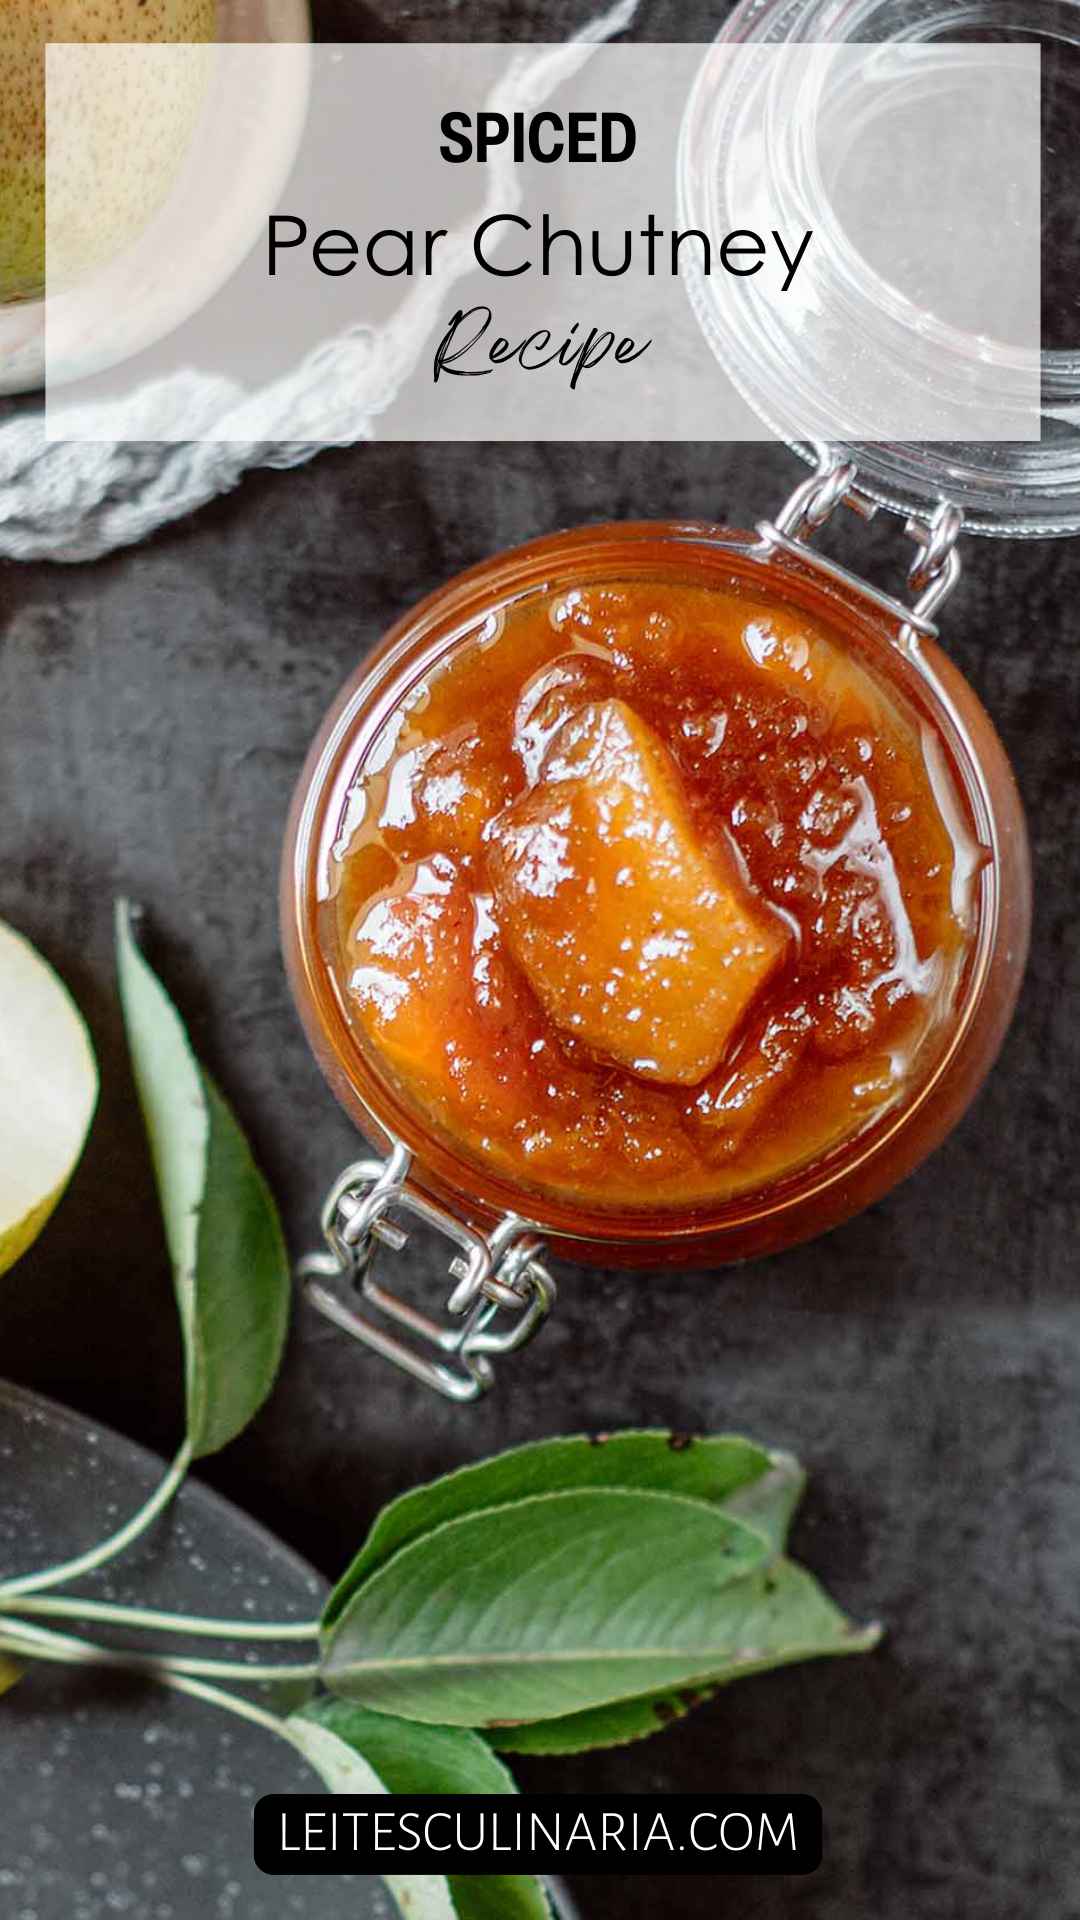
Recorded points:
(924, 1360)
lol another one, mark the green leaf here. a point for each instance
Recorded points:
(344, 1770)
(614, 1726)
(336, 1761)
(777, 1616)
(545, 1607)
(10, 1674)
(230, 1266)
(722, 1467)
(410, 1758)
(768, 1502)
(243, 1286)
(498, 1896)
(422, 1896)
(401, 1757)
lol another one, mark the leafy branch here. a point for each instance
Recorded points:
(229, 1261)
(566, 1595)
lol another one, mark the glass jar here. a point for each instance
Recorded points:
(501, 1227)
(447, 1186)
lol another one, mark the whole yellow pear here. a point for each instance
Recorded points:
(112, 156)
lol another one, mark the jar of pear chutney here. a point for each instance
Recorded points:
(654, 893)
(660, 893)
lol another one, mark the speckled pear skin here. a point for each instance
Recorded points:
(26, 26)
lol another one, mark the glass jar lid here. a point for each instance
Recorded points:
(792, 360)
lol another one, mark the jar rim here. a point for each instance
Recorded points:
(1017, 489)
(424, 638)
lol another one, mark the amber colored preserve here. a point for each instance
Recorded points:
(654, 889)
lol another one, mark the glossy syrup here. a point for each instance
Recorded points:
(807, 783)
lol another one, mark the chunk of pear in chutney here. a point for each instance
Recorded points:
(117, 136)
(432, 992)
(636, 937)
(440, 795)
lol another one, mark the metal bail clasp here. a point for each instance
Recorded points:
(935, 569)
(932, 574)
(502, 1270)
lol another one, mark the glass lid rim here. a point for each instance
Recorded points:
(1023, 489)
(883, 480)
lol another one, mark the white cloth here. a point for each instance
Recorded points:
(76, 500)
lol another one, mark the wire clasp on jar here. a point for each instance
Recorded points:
(932, 575)
(500, 1271)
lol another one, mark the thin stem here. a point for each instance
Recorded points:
(81, 1653)
(234, 1669)
(195, 1624)
(232, 1703)
(106, 1549)
(33, 1639)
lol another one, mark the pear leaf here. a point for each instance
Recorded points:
(547, 1606)
(230, 1267)
(785, 1617)
(355, 1751)
(751, 1482)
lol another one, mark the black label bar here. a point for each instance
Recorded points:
(498, 1833)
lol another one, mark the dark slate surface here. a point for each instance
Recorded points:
(924, 1360)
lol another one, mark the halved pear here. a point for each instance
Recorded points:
(48, 1092)
(116, 142)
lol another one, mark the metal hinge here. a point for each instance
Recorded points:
(933, 573)
(500, 1271)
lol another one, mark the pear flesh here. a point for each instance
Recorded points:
(48, 1092)
(112, 157)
